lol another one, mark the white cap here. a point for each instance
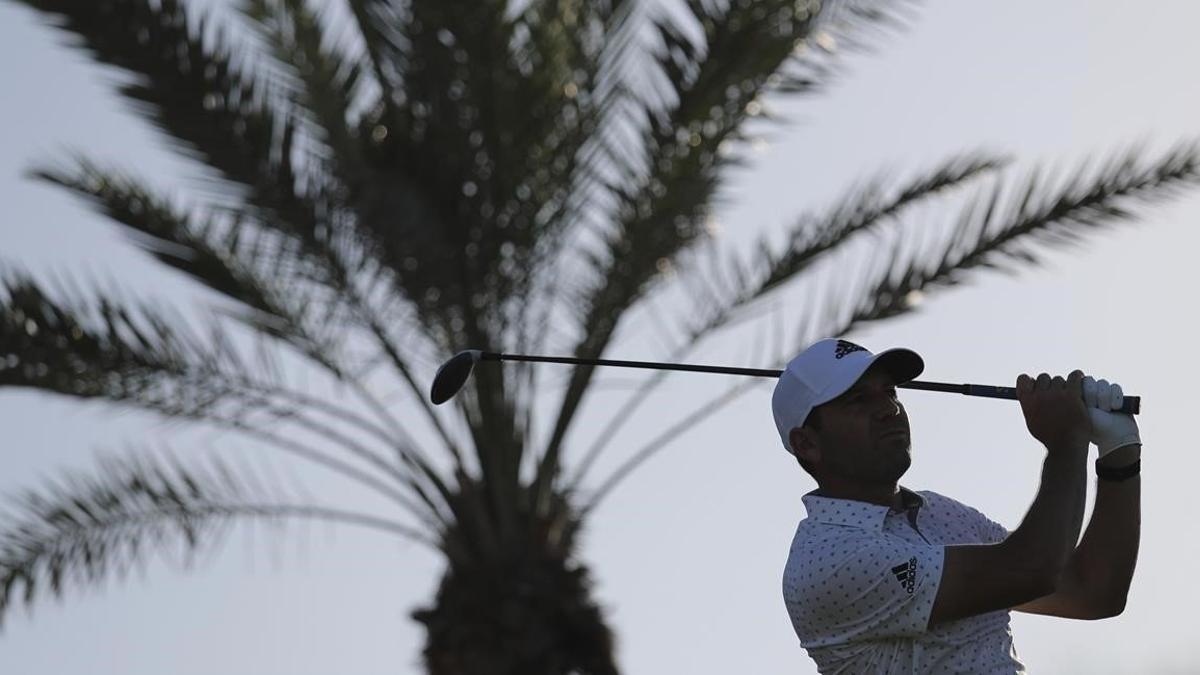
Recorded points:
(825, 371)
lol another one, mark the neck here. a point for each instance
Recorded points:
(883, 495)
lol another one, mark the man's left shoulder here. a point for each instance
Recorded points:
(931, 498)
(962, 520)
(936, 501)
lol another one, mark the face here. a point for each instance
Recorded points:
(863, 436)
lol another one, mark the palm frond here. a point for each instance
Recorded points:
(846, 26)
(86, 528)
(376, 21)
(322, 83)
(583, 103)
(220, 116)
(413, 209)
(146, 357)
(142, 355)
(571, 57)
(469, 149)
(707, 88)
(657, 444)
(195, 95)
(988, 235)
(712, 90)
(726, 288)
(242, 263)
(519, 88)
(488, 137)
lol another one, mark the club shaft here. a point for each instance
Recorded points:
(1131, 405)
(724, 370)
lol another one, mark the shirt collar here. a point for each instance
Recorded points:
(853, 513)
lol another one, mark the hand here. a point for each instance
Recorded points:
(1110, 430)
(1054, 410)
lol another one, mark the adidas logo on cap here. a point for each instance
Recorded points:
(845, 347)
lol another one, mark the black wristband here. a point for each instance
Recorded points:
(1119, 474)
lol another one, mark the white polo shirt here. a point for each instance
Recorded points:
(860, 582)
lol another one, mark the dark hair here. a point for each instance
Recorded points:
(813, 421)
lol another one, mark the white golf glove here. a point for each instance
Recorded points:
(1110, 430)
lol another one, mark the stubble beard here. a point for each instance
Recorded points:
(883, 464)
(892, 460)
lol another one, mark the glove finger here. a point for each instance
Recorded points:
(1118, 397)
(1103, 395)
(1089, 391)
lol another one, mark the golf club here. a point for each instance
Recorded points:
(454, 373)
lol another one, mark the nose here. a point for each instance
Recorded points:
(890, 408)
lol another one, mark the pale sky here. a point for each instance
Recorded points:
(688, 555)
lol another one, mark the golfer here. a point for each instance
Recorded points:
(883, 579)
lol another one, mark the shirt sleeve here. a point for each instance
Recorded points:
(970, 526)
(990, 532)
(876, 590)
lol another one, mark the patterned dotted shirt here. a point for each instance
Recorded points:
(860, 582)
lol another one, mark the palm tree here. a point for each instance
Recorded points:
(409, 178)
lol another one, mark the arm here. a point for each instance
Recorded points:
(1028, 564)
(1096, 581)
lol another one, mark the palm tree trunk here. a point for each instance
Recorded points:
(531, 614)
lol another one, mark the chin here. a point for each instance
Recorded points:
(899, 468)
(895, 449)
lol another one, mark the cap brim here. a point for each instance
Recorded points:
(902, 364)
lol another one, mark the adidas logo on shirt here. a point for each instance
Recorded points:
(906, 574)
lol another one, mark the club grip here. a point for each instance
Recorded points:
(1131, 405)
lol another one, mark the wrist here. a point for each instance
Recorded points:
(1065, 461)
(1119, 474)
(1123, 456)
(1068, 449)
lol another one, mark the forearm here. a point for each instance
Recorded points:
(1105, 559)
(1047, 536)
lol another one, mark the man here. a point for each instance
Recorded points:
(881, 579)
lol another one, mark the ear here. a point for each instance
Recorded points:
(805, 444)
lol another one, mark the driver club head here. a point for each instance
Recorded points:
(453, 375)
